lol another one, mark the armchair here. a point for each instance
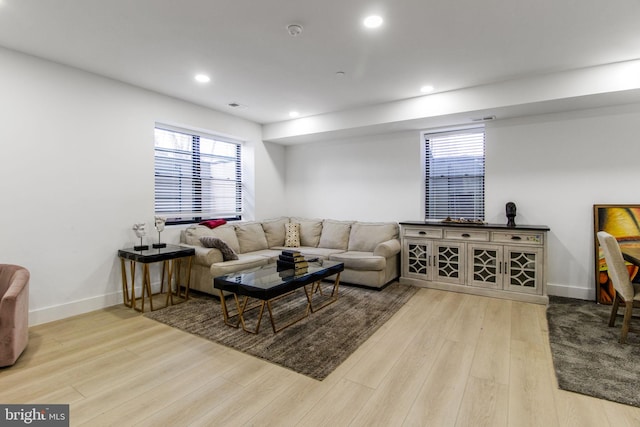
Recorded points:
(14, 312)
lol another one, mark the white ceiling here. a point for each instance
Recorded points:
(245, 48)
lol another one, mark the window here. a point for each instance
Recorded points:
(197, 176)
(454, 174)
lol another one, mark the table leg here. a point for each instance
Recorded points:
(189, 259)
(306, 312)
(170, 266)
(125, 284)
(164, 268)
(225, 311)
(334, 294)
(132, 271)
(186, 292)
(242, 308)
(146, 287)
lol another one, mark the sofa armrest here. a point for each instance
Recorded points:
(387, 249)
(205, 256)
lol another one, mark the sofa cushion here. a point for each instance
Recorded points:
(310, 230)
(335, 234)
(365, 236)
(357, 260)
(251, 237)
(244, 262)
(228, 254)
(192, 234)
(226, 233)
(274, 231)
(292, 235)
(270, 254)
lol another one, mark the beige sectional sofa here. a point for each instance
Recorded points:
(369, 251)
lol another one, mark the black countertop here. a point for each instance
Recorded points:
(438, 223)
(156, 254)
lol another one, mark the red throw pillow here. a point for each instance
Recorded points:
(213, 223)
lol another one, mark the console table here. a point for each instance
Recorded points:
(482, 259)
(171, 257)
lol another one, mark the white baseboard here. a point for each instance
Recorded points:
(571, 292)
(50, 314)
(74, 308)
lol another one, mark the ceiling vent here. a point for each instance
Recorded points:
(484, 119)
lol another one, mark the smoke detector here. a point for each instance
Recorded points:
(294, 30)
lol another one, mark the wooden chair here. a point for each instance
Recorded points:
(626, 291)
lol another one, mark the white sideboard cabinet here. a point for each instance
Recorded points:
(482, 259)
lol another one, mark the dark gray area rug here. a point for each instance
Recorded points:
(586, 354)
(314, 346)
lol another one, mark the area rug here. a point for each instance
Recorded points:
(586, 354)
(314, 346)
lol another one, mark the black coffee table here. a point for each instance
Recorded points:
(266, 284)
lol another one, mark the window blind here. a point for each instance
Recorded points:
(197, 176)
(454, 174)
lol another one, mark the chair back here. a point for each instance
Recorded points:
(7, 272)
(615, 262)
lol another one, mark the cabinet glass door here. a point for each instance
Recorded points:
(522, 273)
(449, 262)
(417, 263)
(486, 266)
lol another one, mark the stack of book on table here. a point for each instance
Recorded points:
(292, 260)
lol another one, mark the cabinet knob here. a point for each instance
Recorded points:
(516, 238)
(466, 235)
(422, 233)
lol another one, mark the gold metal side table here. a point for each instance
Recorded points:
(171, 256)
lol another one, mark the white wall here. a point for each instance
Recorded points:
(554, 167)
(76, 172)
(373, 178)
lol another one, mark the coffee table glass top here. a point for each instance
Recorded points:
(267, 282)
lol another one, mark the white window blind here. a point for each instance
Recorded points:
(197, 176)
(454, 174)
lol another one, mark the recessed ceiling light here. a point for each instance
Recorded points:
(293, 114)
(426, 89)
(202, 78)
(373, 21)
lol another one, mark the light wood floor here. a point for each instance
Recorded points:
(444, 359)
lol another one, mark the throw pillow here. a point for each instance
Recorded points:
(274, 231)
(213, 242)
(213, 223)
(251, 237)
(310, 230)
(335, 234)
(292, 235)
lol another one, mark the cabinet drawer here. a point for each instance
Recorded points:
(518, 237)
(474, 235)
(431, 233)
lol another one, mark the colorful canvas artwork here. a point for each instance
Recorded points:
(623, 222)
